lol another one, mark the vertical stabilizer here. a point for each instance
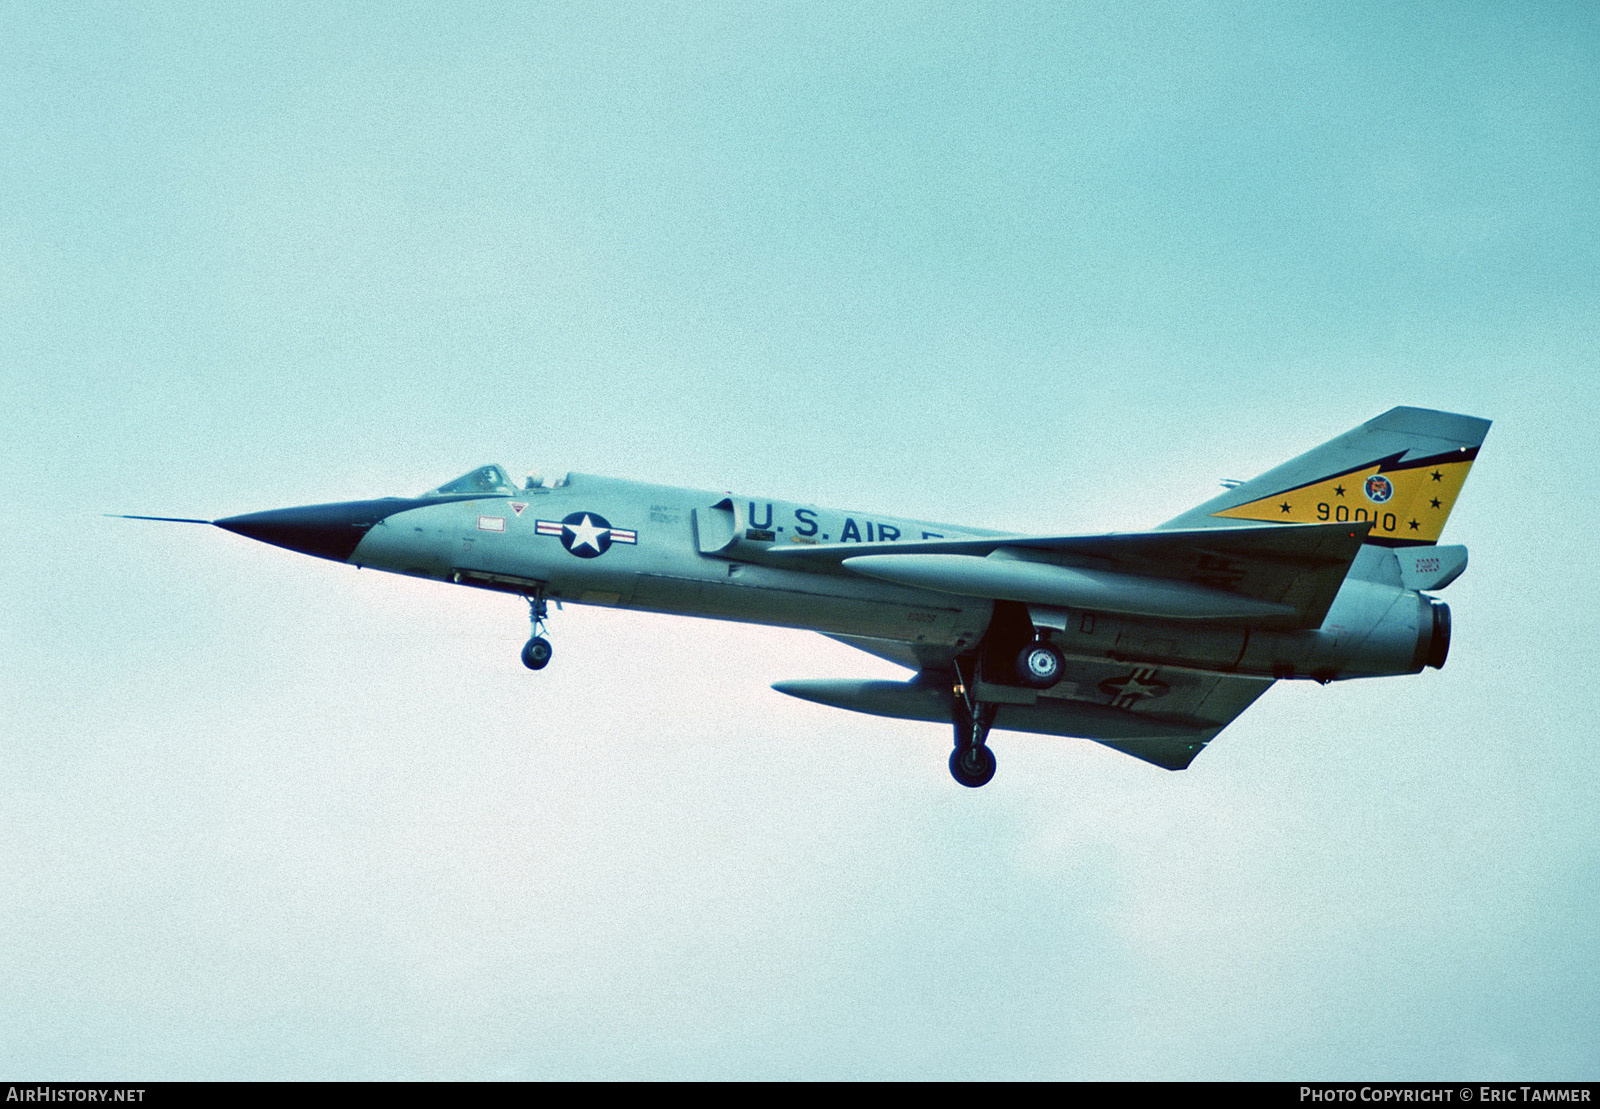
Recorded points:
(1400, 471)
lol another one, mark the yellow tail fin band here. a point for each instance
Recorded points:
(1406, 502)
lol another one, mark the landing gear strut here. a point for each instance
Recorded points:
(971, 763)
(536, 652)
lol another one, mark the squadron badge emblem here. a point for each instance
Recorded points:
(1379, 488)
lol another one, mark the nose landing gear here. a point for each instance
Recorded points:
(536, 652)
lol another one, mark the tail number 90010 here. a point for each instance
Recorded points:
(1344, 514)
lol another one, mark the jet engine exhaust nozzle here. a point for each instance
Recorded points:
(1439, 642)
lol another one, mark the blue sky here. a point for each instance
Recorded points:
(1015, 265)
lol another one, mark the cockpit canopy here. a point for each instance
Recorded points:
(489, 481)
(484, 481)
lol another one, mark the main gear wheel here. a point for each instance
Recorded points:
(972, 764)
(1040, 665)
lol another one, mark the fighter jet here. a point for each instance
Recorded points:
(1148, 642)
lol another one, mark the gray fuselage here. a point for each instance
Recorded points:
(606, 541)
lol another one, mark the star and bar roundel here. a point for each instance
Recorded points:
(586, 534)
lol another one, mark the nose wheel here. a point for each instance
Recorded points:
(536, 652)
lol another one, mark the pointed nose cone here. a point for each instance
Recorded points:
(325, 530)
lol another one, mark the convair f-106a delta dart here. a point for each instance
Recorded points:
(1149, 642)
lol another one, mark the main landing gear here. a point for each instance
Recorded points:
(1013, 653)
(536, 652)
(971, 763)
